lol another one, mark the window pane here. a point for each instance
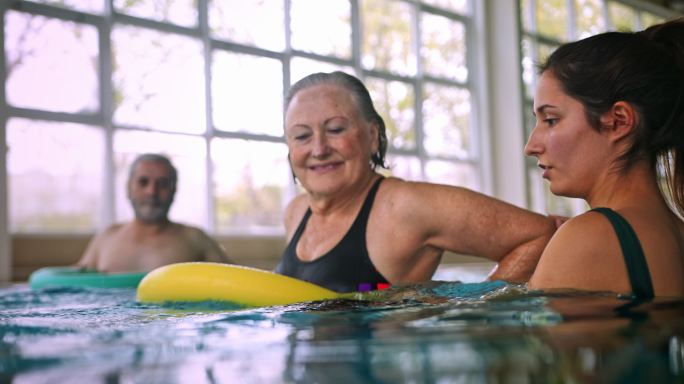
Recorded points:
(51, 64)
(250, 183)
(234, 20)
(55, 176)
(181, 12)
(460, 6)
(188, 155)
(544, 51)
(590, 19)
(443, 47)
(247, 93)
(301, 67)
(526, 16)
(622, 17)
(649, 19)
(93, 6)
(403, 167)
(534, 54)
(530, 118)
(529, 67)
(158, 80)
(394, 101)
(322, 27)
(387, 37)
(446, 112)
(552, 19)
(446, 172)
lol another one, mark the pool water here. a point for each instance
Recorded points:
(438, 332)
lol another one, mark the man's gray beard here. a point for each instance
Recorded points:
(157, 214)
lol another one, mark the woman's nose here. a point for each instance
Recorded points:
(533, 146)
(320, 146)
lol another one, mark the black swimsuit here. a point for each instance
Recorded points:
(637, 267)
(345, 268)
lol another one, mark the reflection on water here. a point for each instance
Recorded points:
(438, 332)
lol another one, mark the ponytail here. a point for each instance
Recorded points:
(669, 37)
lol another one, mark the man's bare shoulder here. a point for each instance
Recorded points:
(188, 231)
(112, 230)
(208, 247)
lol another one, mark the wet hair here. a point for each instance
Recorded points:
(644, 69)
(155, 158)
(359, 94)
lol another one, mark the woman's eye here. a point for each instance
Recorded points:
(335, 130)
(301, 137)
(551, 122)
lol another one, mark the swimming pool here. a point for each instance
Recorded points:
(440, 332)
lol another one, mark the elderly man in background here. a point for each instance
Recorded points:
(151, 240)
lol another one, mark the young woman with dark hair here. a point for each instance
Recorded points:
(610, 114)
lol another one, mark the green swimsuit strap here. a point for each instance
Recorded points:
(637, 268)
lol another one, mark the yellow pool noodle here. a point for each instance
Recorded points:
(204, 281)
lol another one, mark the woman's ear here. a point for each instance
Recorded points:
(375, 137)
(619, 121)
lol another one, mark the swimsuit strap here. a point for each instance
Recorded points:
(360, 221)
(362, 218)
(637, 267)
(301, 226)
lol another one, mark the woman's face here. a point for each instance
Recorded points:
(330, 143)
(568, 149)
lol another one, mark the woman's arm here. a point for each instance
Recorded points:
(470, 223)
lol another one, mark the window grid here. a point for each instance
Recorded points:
(110, 18)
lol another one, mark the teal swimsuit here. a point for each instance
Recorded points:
(637, 268)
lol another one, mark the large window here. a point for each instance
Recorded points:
(89, 84)
(546, 24)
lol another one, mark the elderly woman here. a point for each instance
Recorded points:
(353, 229)
(608, 108)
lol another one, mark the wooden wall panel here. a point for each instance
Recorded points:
(30, 252)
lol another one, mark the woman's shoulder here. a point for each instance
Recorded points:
(298, 203)
(582, 254)
(585, 232)
(294, 211)
(400, 195)
(420, 190)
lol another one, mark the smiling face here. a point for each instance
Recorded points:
(330, 143)
(571, 153)
(151, 190)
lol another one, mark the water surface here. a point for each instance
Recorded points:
(438, 332)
